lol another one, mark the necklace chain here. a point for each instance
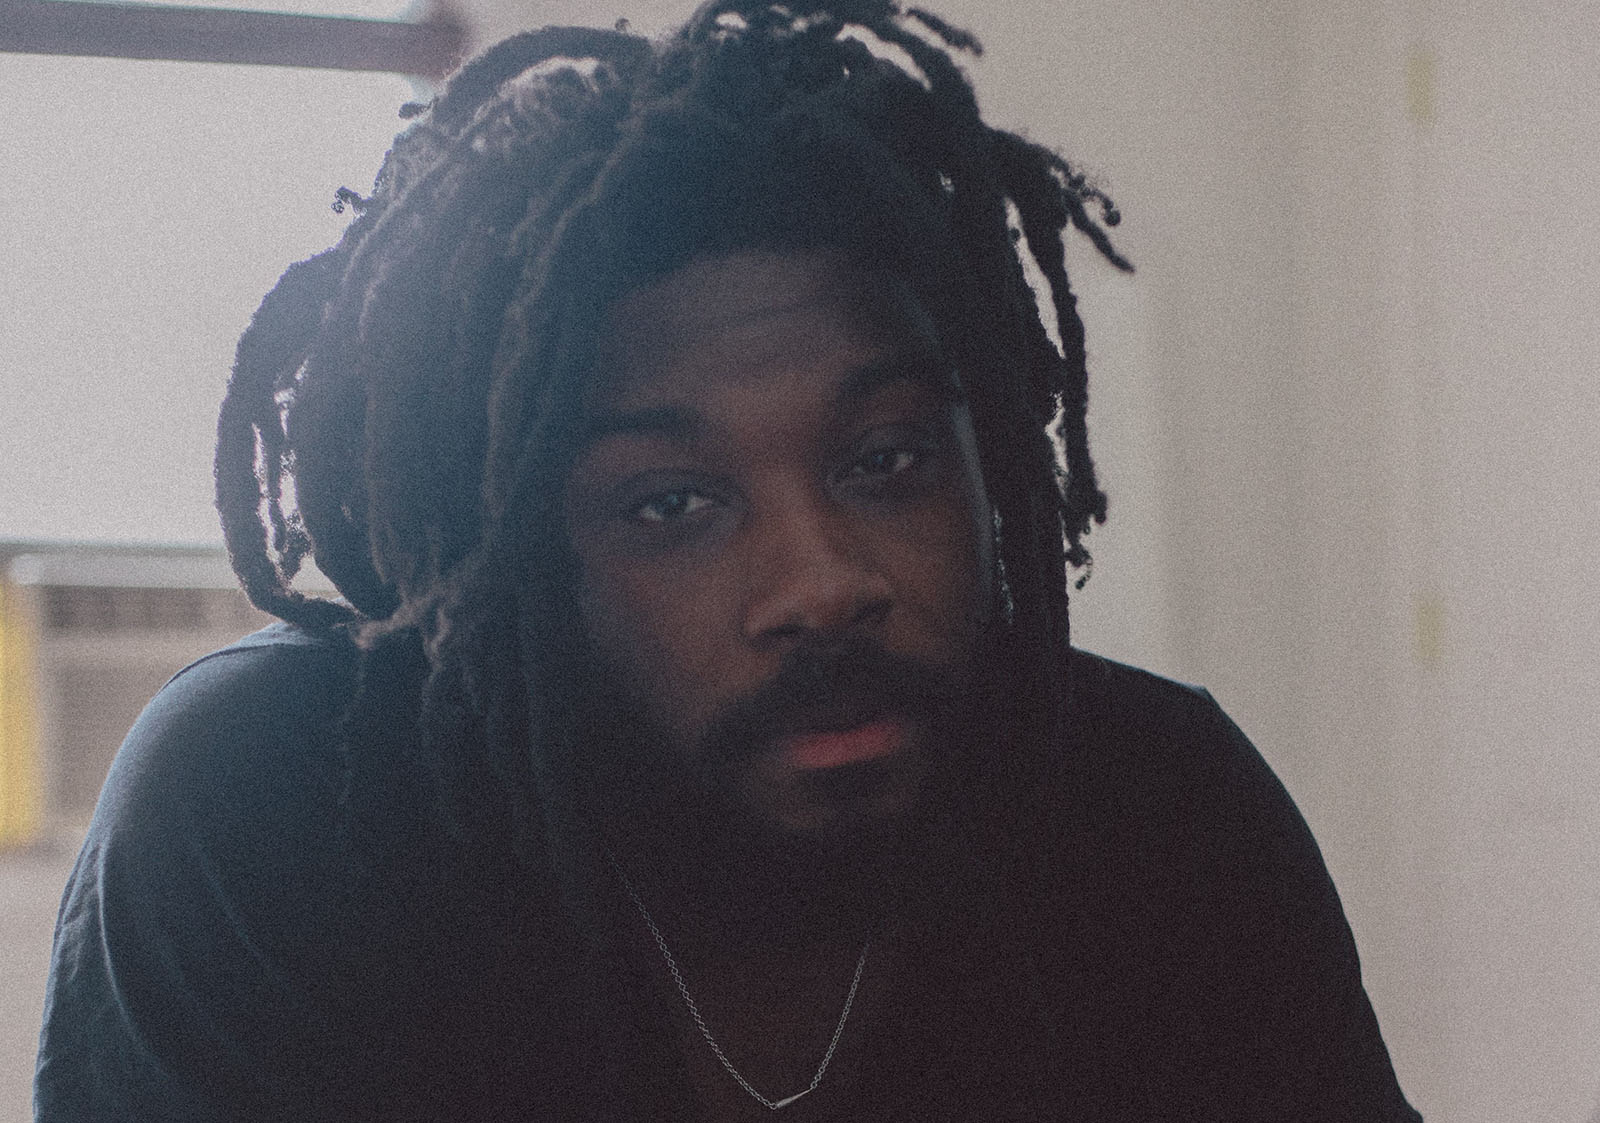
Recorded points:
(705, 1031)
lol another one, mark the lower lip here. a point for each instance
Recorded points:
(871, 741)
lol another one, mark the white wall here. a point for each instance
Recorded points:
(1444, 632)
(145, 208)
(1510, 271)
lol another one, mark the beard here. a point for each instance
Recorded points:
(688, 815)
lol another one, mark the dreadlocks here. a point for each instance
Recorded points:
(399, 404)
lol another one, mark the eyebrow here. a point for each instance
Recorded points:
(672, 422)
(684, 425)
(924, 370)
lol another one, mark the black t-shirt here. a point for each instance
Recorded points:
(267, 924)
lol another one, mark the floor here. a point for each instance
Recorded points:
(30, 888)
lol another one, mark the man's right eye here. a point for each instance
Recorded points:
(670, 506)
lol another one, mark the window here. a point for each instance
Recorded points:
(145, 209)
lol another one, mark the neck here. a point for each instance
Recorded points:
(721, 896)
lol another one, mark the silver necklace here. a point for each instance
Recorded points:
(700, 1022)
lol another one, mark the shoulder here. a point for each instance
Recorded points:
(1178, 800)
(1167, 754)
(187, 935)
(229, 784)
(1117, 699)
(252, 672)
(1132, 724)
(279, 681)
(246, 739)
(1199, 897)
(271, 918)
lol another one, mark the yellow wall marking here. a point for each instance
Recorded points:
(21, 787)
(1429, 629)
(1421, 86)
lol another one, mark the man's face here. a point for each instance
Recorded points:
(783, 540)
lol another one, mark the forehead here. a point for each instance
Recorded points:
(725, 320)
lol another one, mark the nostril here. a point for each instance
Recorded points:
(819, 601)
(874, 611)
(791, 629)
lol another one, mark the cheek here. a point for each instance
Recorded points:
(953, 568)
(949, 568)
(662, 642)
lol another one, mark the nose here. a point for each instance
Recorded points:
(811, 577)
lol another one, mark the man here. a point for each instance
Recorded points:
(697, 734)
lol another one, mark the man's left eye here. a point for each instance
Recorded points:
(884, 462)
(671, 506)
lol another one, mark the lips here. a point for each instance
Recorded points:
(835, 748)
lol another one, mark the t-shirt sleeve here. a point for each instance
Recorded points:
(1284, 962)
(185, 980)
(1239, 987)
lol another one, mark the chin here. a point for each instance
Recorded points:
(842, 818)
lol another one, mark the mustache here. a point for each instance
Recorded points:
(830, 688)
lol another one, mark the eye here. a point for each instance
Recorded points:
(670, 506)
(884, 462)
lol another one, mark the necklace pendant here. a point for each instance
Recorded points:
(700, 1023)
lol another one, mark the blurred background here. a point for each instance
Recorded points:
(1346, 410)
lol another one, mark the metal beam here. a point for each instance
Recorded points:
(430, 49)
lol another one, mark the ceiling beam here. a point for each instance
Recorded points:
(429, 49)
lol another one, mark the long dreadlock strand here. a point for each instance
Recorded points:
(252, 447)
